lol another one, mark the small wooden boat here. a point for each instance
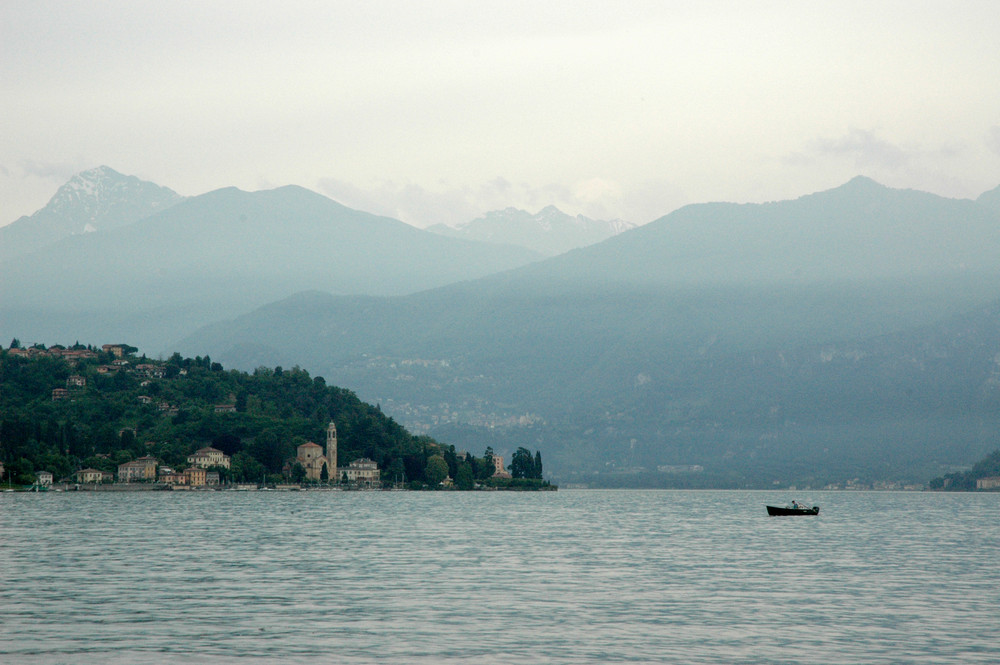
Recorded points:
(792, 510)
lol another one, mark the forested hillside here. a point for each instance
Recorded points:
(986, 468)
(66, 409)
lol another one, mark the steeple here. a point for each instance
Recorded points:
(331, 451)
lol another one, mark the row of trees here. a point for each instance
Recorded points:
(265, 415)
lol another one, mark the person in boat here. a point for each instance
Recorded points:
(795, 504)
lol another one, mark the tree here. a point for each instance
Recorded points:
(396, 471)
(245, 468)
(463, 477)
(538, 464)
(452, 459)
(522, 464)
(230, 444)
(486, 468)
(436, 470)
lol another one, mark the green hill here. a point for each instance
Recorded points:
(65, 409)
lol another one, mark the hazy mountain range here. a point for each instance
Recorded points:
(848, 333)
(549, 232)
(218, 255)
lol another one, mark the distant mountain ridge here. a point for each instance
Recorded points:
(99, 199)
(550, 231)
(697, 339)
(220, 254)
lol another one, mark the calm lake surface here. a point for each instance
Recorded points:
(557, 577)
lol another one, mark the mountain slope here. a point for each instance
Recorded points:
(548, 232)
(861, 230)
(99, 199)
(223, 253)
(645, 350)
(990, 199)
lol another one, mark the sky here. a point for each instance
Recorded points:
(441, 110)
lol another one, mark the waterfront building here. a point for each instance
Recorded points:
(313, 459)
(363, 472)
(310, 456)
(89, 476)
(195, 476)
(168, 476)
(990, 483)
(206, 457)
(143, 468)
(331, 449)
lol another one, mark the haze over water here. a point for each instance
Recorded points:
(566, 577)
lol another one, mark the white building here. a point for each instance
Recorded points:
(207, 457)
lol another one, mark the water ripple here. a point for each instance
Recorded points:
(567, 577)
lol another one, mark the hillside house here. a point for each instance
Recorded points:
(151, 371)
(117, 350)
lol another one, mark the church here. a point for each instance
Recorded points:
(312, 459)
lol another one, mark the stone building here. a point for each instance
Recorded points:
(313, 459)
(310, 456)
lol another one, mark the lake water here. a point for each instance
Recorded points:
(558, 577)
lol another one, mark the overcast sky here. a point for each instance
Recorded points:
(442, 110)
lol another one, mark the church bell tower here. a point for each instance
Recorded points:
(331, 451)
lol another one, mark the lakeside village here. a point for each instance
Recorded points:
(204, 473)
(313, 467)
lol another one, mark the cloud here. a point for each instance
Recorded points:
(993, 139)
(57, 172)
(869, 151)
(866, 149)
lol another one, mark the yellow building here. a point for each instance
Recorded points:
(195, 476)
(143, 468)
(89, 476)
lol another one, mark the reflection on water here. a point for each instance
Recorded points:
(558, 577)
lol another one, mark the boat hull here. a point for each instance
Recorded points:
(782, 510)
